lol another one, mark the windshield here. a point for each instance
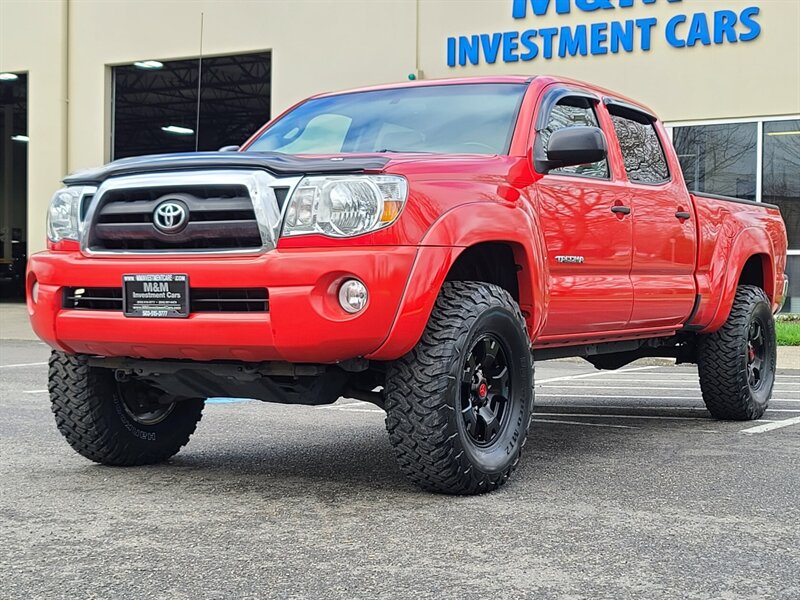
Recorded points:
(469, 118)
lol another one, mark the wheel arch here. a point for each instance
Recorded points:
(481, 241)
(749, 262)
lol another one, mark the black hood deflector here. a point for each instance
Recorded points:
(273, 162)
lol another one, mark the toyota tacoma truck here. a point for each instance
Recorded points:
(417, 246)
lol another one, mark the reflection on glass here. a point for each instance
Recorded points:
(781, 182)
(719, 159)
(644, 157)
(462, 118)
(793, 273)
(565, 115)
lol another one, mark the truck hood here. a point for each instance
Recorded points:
(276, 163)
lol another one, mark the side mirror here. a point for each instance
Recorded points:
(572, 146)
(229, 149)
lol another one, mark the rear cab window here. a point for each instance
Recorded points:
(642, 149)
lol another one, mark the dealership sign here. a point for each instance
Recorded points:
(608, 37)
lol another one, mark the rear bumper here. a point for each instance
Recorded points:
(304, 322)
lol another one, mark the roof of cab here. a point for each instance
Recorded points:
(541, 80)
(522, 79)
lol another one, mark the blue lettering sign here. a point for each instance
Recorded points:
(597, 39)
(622, 36)
(572, 42)
(646, 29)
(747, 19)
(672, 35)
(519, 8)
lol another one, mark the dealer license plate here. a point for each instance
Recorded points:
(155, 295)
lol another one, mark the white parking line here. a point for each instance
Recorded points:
(339, 405)
(637, 387)
(599, 397)
(695, 383)
(657, 408)
(35, 391)
(595, 374)
(771, 426)
(651, 417)
(584, 424)
(36, 364)
(678, 378)
(621, 407)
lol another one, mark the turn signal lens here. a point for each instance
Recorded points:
(391, 209)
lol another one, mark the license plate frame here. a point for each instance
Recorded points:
(155, 295)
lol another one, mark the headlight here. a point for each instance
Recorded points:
(344, 206)
(63, 219)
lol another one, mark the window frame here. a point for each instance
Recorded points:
(759, 121)
(618, 108)
(548, 103)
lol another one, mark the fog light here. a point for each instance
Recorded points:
(35, 292)
(353, 295)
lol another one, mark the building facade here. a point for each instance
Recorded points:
(723, 74)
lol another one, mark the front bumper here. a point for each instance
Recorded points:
(304, 323)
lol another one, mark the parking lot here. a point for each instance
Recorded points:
(627, 489)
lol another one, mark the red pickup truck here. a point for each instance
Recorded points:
(417, 246)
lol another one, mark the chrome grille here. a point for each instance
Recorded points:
(218, 217)
(226, 212)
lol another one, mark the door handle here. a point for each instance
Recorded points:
(622, 210)
(682, 215)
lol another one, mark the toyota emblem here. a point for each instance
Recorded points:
(170, 216)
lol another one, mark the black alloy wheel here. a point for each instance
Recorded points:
(485, 390)
(756, 354)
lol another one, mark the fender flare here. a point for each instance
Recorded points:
(462, 227)
(750, 242)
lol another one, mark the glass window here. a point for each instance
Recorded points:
(573, 112)
(641, 149)
(781, 176)
(793, 295)
(718, 159)
(463, 118)
(323, 134)
(156, 105)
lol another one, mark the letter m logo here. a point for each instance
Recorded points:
(519, 8)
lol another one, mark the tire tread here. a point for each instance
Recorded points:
(418, 413)
(723, 382)
(79, 398)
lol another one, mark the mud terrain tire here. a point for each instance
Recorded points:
(93, 416)
(737, 362)
(458, 406)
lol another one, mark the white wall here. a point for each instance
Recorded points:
(320, 45)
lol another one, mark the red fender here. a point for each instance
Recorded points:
(729, 259)
(464, 226)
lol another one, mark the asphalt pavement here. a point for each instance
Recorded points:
(627, 489)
